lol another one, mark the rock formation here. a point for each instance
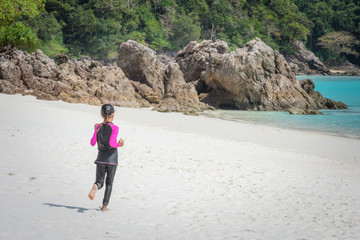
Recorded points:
(158, 80)
(180, 96)
(146, 81)
(194, 58)
(140, 64)
(204, 76)
(251, 78)
(346, 69)
(304, 62)
(322, 103)
(84, 81)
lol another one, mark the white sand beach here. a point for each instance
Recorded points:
(179, 177)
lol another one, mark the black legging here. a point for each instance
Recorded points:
(109, 170)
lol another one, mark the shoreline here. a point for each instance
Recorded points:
(324, 75)
(231, 128)
(299, 129)
(335, 72)
(270, 136)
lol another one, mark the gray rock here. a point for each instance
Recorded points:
(84, 81)
(254, 77)
(322, 103)
(110, 85)
(305, 61)
(194, 58)
(158, 79)
(42, 65)
(297, 111)
(140, 64)
(88, 81)
(10, 72)
(180, 96)
(251, 78)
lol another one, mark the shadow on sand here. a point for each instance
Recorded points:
(79, 209)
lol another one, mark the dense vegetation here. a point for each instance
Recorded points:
(97, 27)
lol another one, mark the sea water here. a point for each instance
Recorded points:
(339, 122)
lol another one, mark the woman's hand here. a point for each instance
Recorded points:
(121, 142)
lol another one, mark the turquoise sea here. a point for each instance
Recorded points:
(337, 122)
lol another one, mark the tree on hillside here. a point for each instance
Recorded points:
(16, 33)
(330, 16)
(185, 30)
(339, 42)
(10, 9)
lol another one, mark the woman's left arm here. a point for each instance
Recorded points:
(94, 137)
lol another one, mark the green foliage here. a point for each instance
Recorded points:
(330, 16)
(18, 35)
(185, 30)
(10, 9)
(295, 31)
(46, 26)
(97, 27)
(137, 36)
(155, 33)
(53, 47)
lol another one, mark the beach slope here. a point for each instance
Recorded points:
(179, 177)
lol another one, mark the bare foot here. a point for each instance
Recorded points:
(93, 192)
(104, 208)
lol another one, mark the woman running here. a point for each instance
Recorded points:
(105, 136)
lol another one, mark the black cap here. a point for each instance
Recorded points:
(107, 110)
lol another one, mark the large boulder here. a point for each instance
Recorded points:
(322, 103)
(194, 58)
(42, 65)
(10, 71)
(180, 96)
(159, 80)
(110, 85)
(11, 75)
(72, 82)
(141, 64)
(304, 61)
(254, 77)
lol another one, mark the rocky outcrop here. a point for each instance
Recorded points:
(146, 80)
(346, 69)
(180, 96)
(322, 103)
(194, 58)
(304, 62)
(204, 76)
(83, 81)
(251, 78)
(140, 64)
(158, 79)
